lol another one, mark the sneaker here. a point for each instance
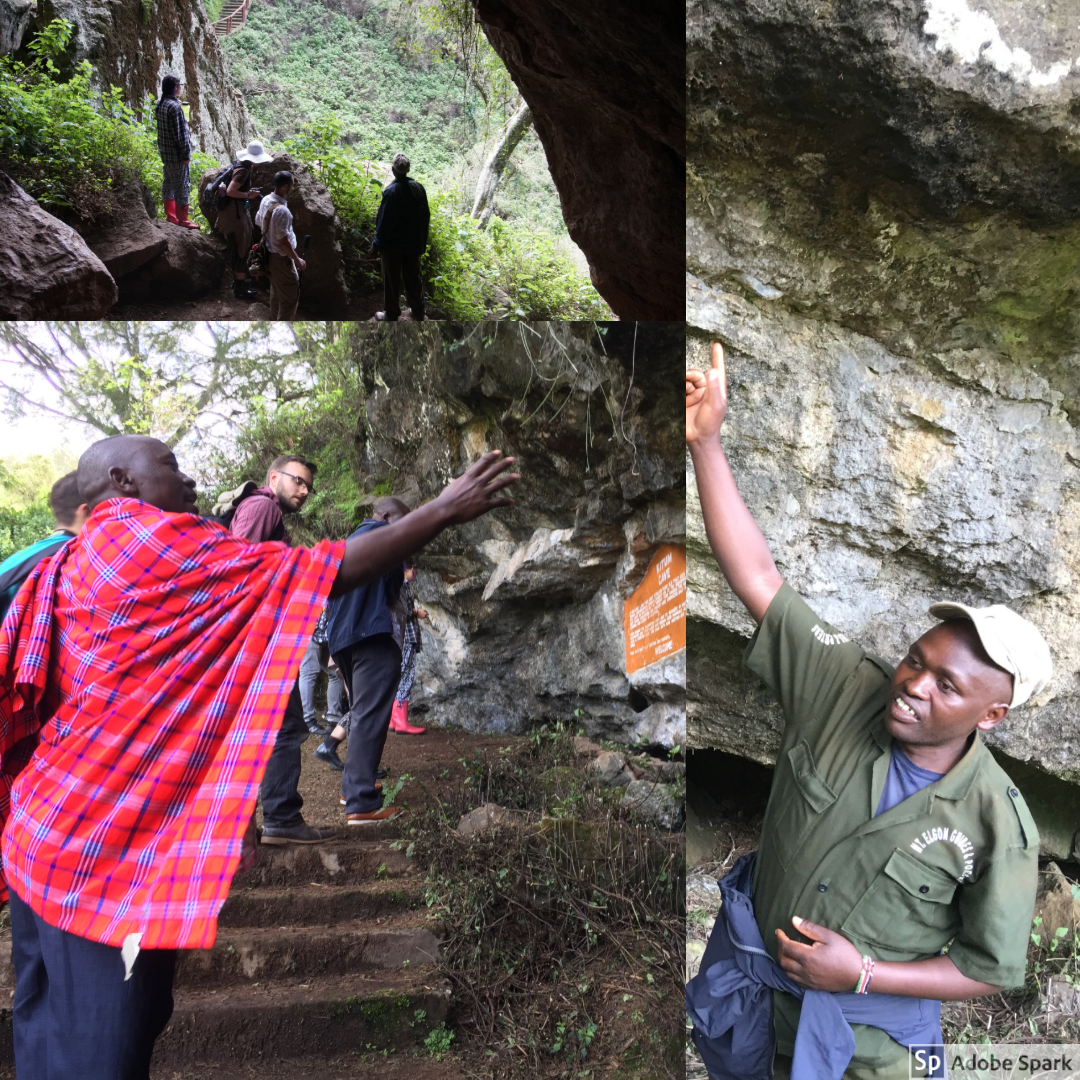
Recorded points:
(296, 834)
(328, 754)
(378, 789)
(375, 817)
(317, 729)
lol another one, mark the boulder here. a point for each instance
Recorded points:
(659, 804)
(605, 83)
(608, 769)
(585, 747)
(46, 269)
(488, 816)
(322, 289)
(127, 239)
(190, 266)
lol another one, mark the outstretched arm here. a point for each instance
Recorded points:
(377, 552)
(735, 539)
(830, 962)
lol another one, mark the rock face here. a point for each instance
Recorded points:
(132, 44)
(15, 16)
(512, 638)
(605, 85)
(322, 289)
(885, 230)
(46, 268)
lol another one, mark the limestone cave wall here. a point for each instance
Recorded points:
(884, 229)
(526, 603)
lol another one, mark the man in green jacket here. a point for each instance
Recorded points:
(896, 856)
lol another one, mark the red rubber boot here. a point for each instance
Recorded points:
(185, 220)
(170, 211)
(399, 720)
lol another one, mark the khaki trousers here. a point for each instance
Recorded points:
(284, 288)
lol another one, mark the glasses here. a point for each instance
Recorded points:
(299, 481)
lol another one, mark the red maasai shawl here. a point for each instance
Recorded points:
(144, 673)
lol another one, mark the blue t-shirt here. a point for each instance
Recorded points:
(904, 780)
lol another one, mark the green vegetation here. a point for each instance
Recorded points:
(506, 269)
(344, 84)
(25, 516)
(66, 145)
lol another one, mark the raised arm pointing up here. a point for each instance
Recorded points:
(735, 539)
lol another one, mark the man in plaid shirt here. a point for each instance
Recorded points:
(144, 671)
(174, 146)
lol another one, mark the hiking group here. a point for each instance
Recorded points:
(156, 678)
(230, 197)
(897, 863)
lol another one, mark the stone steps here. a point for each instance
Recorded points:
(251, 954)
(319, 905)
(293, 1017)
(346, 861)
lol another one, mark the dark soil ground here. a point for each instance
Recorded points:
(219, 304)
(632, 1009)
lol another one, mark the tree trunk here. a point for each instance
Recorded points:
(496, 161)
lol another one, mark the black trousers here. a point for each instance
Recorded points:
(395, 267)
(281, 800)
(75, 1016)
(372, 668)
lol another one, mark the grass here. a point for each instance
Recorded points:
(563, 930)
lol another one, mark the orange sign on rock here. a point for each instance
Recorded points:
(654, 617)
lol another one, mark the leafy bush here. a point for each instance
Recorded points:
(66, 145)
(24, 526)
(61, 142)
(506, 270)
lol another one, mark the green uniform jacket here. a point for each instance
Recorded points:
(954, 866)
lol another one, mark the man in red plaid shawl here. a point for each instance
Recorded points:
(144, 671)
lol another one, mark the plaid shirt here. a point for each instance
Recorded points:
(173, 141)
(144, 673)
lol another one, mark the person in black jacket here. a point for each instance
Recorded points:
(70, 512)
(401, 232)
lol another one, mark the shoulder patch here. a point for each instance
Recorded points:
(1028, 827)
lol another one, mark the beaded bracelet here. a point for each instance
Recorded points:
(863, 985)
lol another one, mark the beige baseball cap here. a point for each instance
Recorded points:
(1011, 641)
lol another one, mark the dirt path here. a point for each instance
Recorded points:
(220, 305)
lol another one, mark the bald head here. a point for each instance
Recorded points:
(135, 467)
(389, 509)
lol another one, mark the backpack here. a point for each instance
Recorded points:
(227, 502)
(213, 199)
(259, 259)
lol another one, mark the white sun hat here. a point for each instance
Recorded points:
(1011, 641)
(255, 152)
